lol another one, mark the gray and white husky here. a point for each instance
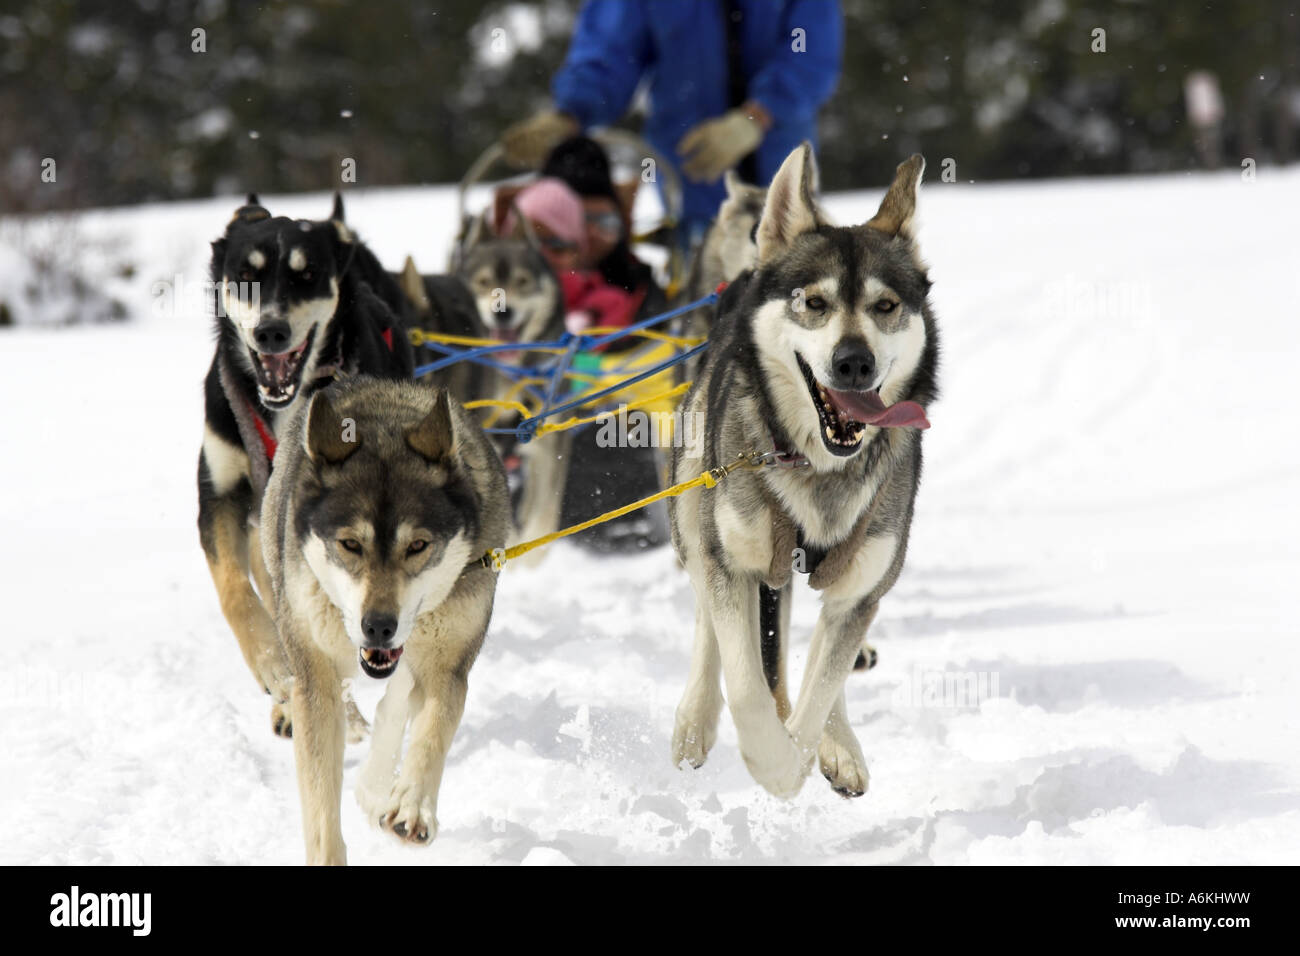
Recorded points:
(822, 360)
(519, 300)
(384, 497)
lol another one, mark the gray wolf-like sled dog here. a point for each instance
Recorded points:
(384, 498)
(823, 358)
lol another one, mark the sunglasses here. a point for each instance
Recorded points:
(556, 244)
(610, 223)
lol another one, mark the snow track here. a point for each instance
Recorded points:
(1088, 659)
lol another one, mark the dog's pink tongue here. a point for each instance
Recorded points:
(866, 407)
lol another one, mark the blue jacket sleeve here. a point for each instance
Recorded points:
(610, 50)
(792, 83)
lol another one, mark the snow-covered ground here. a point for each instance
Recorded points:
(1105, 553)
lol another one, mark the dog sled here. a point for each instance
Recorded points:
(617, 388)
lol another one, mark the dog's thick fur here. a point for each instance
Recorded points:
(730, 246)
(816, 290)
(443, 304)
(323, 309)
(519, 299)
(383, 498)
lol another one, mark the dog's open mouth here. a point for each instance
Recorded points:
(504, 334)
(844, 415)
(278, 376)
(379, 661)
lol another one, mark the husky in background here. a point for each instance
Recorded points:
(518, 300)
(385, 496)
(823, 359)
(729, 247)
(298, 304)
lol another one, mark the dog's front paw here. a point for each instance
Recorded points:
(693, 737)
(372, 798)
(842, 763)
(410, 814)
(282, 719)
(780, 767)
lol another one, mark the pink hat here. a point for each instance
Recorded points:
(552, 203)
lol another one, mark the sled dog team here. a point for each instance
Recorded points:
(345, 509)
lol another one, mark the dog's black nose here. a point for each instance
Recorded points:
(379, 627)
(272, 337)
(503, 316)
(853, 366)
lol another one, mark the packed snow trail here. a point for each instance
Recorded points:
(1087, 659)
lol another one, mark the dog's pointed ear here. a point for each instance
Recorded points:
(329, 438)
(897, 213)
(732, 181)
(525, 228)
(789, 211)
(476, 227)
(251, 211)
(413, 287)
(471, 233)
(336, 218)
(434, 438)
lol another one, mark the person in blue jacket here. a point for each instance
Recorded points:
(732, 84)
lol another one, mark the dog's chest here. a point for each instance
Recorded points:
(823, 507)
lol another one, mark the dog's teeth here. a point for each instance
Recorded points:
(830, 433)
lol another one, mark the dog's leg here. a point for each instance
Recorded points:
(438, 701)
(539, 511)
(281, 718)
(223, 529)
(818, 723)
(696, 727)
(840, 756)
(774, 622)
(319, 726)
(769, 750)
(379, 772)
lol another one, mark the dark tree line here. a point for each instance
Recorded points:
(285, 91)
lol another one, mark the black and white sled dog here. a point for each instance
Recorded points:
(823, 359)
(299, 303)
(384, 497)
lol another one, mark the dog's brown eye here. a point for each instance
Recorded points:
(308, 275)
(246, 275)
(350, 544)
(816, 303)
(885, 306)
(416, 546)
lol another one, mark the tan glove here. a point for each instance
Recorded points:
(528, 142)
(711, 148)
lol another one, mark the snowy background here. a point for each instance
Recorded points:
(1105, 546)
